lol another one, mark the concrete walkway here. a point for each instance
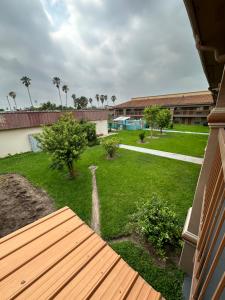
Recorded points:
(95, 219)
(177, 131)
(191, 159)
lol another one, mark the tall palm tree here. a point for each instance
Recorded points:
(7, 98)
(74, 100)
(65, 89)
(97, 98)
(102, 99)
(56, 82)
(106, 99)
(13, 96)
(90, 101)
(27, 82)
(113, 98)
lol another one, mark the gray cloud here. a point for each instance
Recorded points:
(128, 48)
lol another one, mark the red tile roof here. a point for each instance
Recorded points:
(181, 99)
(60, 257)
(13, 120)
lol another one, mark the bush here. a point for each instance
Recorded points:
(142, 136)
(158, 224)
(90, 130)
(110, 146)
(65, 140)
(171, 125)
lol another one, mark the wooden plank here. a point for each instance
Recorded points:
(41, 228)
(22, 256)
(210, 272)
(220, 288)
(29, 226)
(36, 268)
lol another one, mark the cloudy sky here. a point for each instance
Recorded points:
(124, 47)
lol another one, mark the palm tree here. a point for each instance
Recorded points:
(97, 98)
(106, 99)
(13, 96)
(113, 98)
(102, 99)
(90, 101)
(74, 100)
(27, 82)
(65, 89)
(56, 82)
(8, 103)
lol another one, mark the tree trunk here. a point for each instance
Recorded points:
(71, 169)
(30, 97)
(66, 99)
(15, 103)
(161, 130)
(9, 103)
(60, 98)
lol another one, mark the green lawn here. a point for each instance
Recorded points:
(192, 128)
(187, 144)
(166, 280)
(121, 183)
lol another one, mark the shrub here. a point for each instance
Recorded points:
(65, 140)
(142, 136)
(110, 146)
(90, 130)
(158, 224)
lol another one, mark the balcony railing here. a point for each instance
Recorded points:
(191, 113)
(208, 275)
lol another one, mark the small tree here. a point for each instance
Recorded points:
(64, 141)
(150, 115)
(111, 146)
(163, 119)
(142, 136)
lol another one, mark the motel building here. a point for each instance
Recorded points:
(185, 108)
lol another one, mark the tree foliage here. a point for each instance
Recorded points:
(80, 103)
(90, 130)
(150, 115)
(157, 223)
(111, 146)
(65, 140)
(163, 118)
(142, 136)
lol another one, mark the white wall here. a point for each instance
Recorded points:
(16, 140)
(101, 127)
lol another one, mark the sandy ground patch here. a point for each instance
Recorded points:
(21, 203)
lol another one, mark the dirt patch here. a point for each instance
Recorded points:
(21, 203)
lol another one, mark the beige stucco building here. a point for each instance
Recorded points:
(17, 129)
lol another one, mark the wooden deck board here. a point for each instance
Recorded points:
(60, 257)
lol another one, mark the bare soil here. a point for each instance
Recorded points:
(21, 203)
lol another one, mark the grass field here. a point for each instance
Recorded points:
(121, 183)
(191, 128)
(187, 144)
(166, 280)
